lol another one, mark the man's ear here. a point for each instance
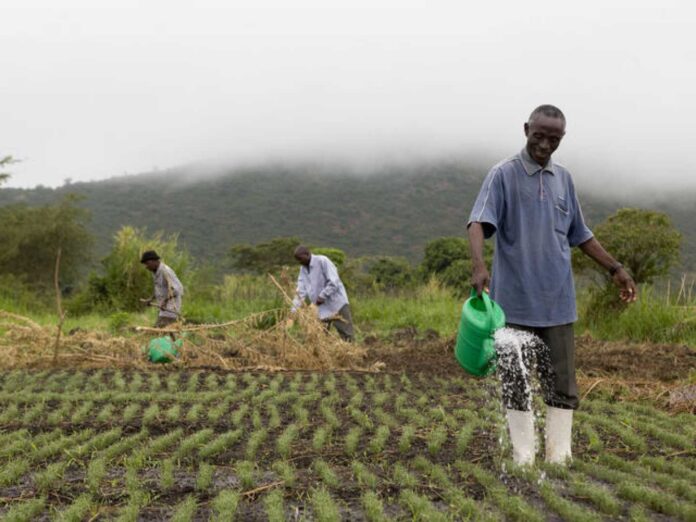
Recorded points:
(526, 128)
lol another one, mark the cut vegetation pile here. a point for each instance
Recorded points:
(131, 445)
(258, 341)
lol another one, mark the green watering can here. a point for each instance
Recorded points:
(481, 317)
(163, 350)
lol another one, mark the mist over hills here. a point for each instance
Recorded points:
(379, 210)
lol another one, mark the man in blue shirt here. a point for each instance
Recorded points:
(529, 203)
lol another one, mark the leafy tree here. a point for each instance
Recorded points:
(336, 255)
(391, 273)
(442, 252)
(449, 259)
(645, 241)
(4, 162)
(30, 239)
(125, 280)
(266, 257)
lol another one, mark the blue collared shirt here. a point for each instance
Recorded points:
(538, 218)
(321, 279)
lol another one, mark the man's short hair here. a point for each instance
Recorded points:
(300, 250)
(547, 110)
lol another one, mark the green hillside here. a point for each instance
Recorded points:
(393, 210)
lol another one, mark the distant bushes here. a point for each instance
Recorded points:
(124, 280)
(31, 237)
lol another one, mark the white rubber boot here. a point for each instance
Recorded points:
(521, 427)
(559, 423)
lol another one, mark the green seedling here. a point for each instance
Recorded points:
(320, 437)
(131, 411)
(78, 510)
(352, 439)
(205, 476)
(167, 474)
(435, 439)
(51, 477)
(185, 510)
(379, 440)
(324, 506)
(25, 511)
(221, 443)
(325, 473)
(274, 506)
(163, 442)
(151, 414)
(12, 471)
(420, 507)
(245, 473)
(363, 475)
(286, 472)
(225, 505)
(96, 471)
(274, 420)
(373, 507)
(256, 440)
(403, 477)
(284, 442)
(194, 413)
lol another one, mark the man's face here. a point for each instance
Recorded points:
(303, 258)
(152, 265)
(544, 135)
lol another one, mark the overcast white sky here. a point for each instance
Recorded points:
(92, 89)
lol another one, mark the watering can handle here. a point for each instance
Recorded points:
(487, 303)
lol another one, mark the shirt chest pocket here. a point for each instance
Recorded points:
(562, 217)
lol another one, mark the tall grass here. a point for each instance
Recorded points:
(653, 318)
(428, 307)
(664, 316)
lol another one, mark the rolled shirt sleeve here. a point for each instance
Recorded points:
(489, 205)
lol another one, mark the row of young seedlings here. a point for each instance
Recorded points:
(69, 412)
(101, 381)
(633, 482)
(676, 432)
(324, 506)
(76, 409)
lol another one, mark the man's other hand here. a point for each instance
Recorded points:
(628, 291)
(289, 323)
(480, 279)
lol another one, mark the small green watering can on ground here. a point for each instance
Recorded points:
(163, 349)
(475, 350)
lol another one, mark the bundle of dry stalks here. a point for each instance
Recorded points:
(25, 344)
(248, 343)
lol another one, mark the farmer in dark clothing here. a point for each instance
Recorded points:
(168, 289)
(528, 201)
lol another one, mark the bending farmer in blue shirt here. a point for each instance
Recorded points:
(529, 203)
(319, 283)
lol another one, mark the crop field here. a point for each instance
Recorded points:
(197, 445)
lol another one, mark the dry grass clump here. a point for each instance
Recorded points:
(249, 343)
(28, 344)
